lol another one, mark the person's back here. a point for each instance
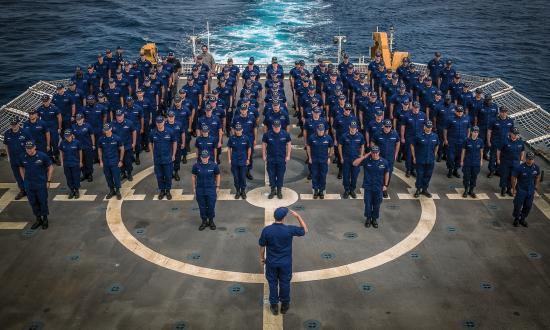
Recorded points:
(276, 253)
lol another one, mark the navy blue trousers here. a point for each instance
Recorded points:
(38, 198)
(423, 175)
(276, 173)
(207, 205)
(523, 202)
(278, 277)
(319, 172)
(112, 175)
(87, 162)
(349, 175)
(373, 199)
(163, 172)
(469, 176)
(72, 174)
(14, 164)
(239, 176)
(453, 155)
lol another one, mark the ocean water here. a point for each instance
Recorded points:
(507, 39)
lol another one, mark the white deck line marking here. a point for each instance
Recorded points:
(83, 197)
(8, 197)
(8, 185)
(411, 193)
(361, 195)
(543, 206)
(225, 195)
(460, 191)
(270, 321)
(510, 197)
(12, 225)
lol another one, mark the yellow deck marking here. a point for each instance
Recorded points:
(460, 191)
(12, 225)
(83, 197)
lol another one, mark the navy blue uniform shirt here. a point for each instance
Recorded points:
(277, 239)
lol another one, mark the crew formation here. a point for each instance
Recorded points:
(117, 109)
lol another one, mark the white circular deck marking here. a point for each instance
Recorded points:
(121, 233)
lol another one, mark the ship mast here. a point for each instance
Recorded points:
(339, 40)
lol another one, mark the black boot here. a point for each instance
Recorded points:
(137, 161)
(184, 160)
(465, 193)
(45, 222)
(426, 193)
(516, 222)
(203, 225)
(472, 193)
(450, 173)
(82, 178)
(243, 193)
(57, 161)
(110, 194)
(272, 193)
(71, 194)
(90, 178)
(76, 194)
(490, 175)
(161, 194)
(118, 195)
(374, 223)
(352, 194)
(417, 193)
(455, 173)
(168, 194)
(20, 195)
(321, 194)
(274, 308)
(309, 176)
(249, 175)
(211, 224)
(413, 173)
(339, 173)
(408, 174)
(502, 192)
(509, 192)
(279, 193)
(130, 177)
(438, 159)
(346, 195)
(367, 222)
(315, 193)
(521, 222)
(385, 194)
(176, 176)
(37, 223)
(284, 308)
(237, 193)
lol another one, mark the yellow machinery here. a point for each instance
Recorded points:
(392, 61)
(151, 52)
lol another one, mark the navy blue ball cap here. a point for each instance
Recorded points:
(438, 93)
(373, 94)
(100, 94)
(90, 97)
(406, 101)
(460, 109)
(362, 76)
(316, 110)
(159, 119)
(79, 115)
(321, 127)
(416, 104)
(111, 81)
(449, 62)
(32, 111)
(347, 106)
(448, 96)
(106, 127)
(342, 97)
(333, 74)
(177, 98)
(387, 123)
(375, 149)
(72, 83)
(251, 60)
(171, 113)
(119, 112)
(60, 86)
(302, 62)
(276, 123)
(280, 213)
(503, 109)
(14, 121)
(67, 132)
(515, 130)
(205, 128)
(45, 98)
(311, 87)
(244, 106)
(29, 144)
(238, 127)
(380, 113)
(212, 98)
(170, 53)
(129, 99)
(475, 129)
(530, 155)
(437, 54)
(429, 124)
(353, 124)
(205, 154)
(479, 91)
(457, 75)
(402, 86)
(428, 78)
